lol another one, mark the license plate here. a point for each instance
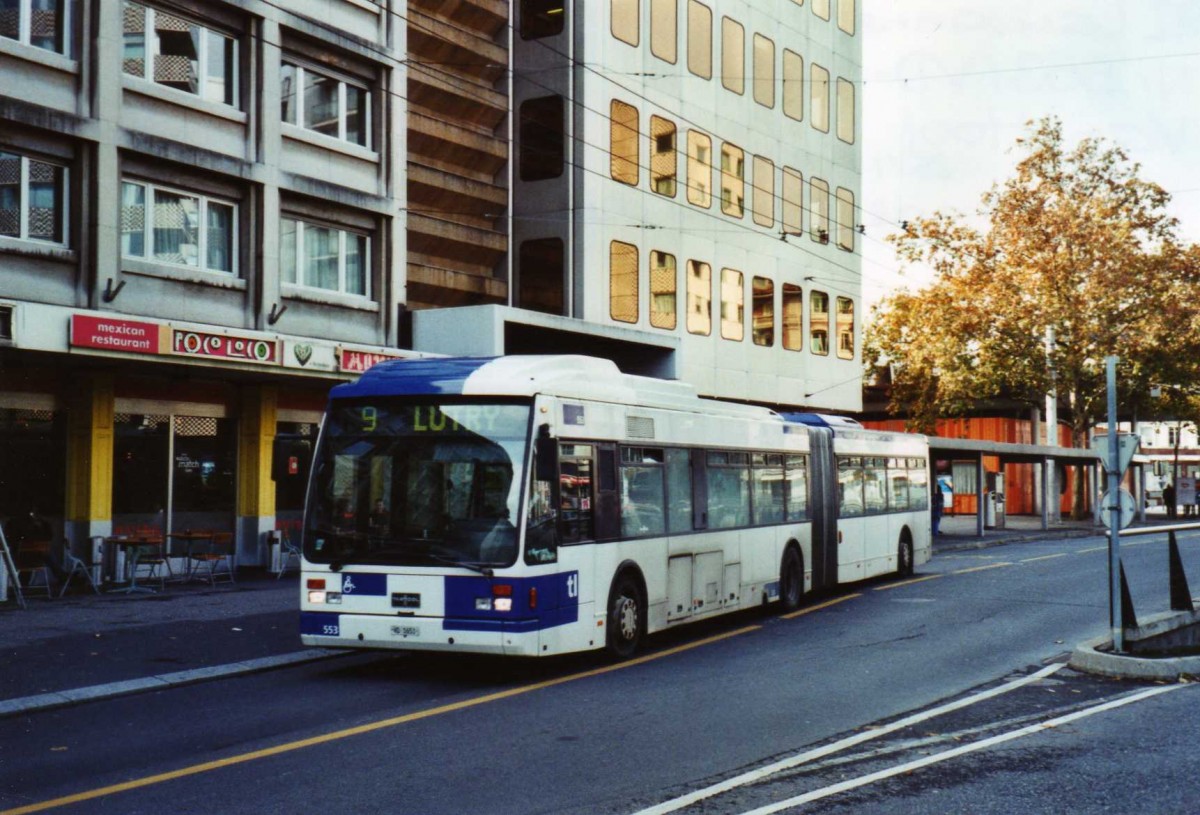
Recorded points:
(406, 631)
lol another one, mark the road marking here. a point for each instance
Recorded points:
(981, 568)
(890, 586)
(802, 611)
(917, 764)
(1044, 557)
(370, 727)
(1092, 549)
(836, 747)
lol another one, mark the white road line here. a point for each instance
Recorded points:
(910, 766)
(820, 752)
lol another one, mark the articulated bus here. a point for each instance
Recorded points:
(539, 505)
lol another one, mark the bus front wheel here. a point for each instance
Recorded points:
(626, 617)
(791, 580)
(904, 557)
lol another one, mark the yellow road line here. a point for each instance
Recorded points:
(370, 727)
(891, 586)
(1044, 557)
(799, 613)
(960, 571)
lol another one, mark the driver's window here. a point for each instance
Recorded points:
(575, 492)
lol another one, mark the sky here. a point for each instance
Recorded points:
(949, 85)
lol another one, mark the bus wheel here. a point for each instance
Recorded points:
(626, 617)
(791, 580)
(904, 557)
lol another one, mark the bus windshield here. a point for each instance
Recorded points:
(397, 483)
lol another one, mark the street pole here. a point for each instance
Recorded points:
(1114, 507)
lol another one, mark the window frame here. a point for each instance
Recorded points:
(630, 22)
(844, 96)
(656, 315)
(540, 158)
(149, 206)
(736, 282)
(793, 87)
(844, 218)
(299, 286)
(762, 309)
(152, 48)
(845, 327)
(818, 209)
(624, 165)
(728, 25)
(846, 22)
(538, 29)
(819, 96)
(301, 67)
(636, 287)
(62, 32)
(818, 323)
(658, 17)
(763, 84)
(731, 202)
(659, 158)
(694, 25)
(703, 194)
(703, 276)
(63, 217)
(792, 294)
(762, 191)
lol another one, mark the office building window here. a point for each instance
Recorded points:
(699, 298)
(793, 317)
(319, 256)
(663, 156)
(33, 199)
(623, 138)
(763, 202)
(176, 53)
(540, 275)
(845, 219)
(542, 147)
(664, 29)
(662, 290)
(818, 323)
(764, 71)
(41, 23)
(818, 209)
(699, 34)
(180, 228)
(541, 18)
(845, 328)
(845, 16)
(623, 282)
(324, 104)
(793, 85)
(733, 55)
(733, 180)
(733, 305)
(626, 15)
(699, 169)
(821, 8)
(762, 323)
(845, 110)
(820, 98)
(793, 202)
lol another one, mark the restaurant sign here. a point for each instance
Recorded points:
(356, 362)
(224, 346)
(109, 334)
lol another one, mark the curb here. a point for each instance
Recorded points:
(111, 690)
(987, 543)
(1086, 658)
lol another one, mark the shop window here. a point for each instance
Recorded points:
(820, 97)
(626, 16)
(663, 156)
(845, 219)
(818, 209)
(32, 435)
(623, 282)
(40, 23)
(541, 18)
(845, 15)
(141, 445)
(699, 169)
(322, 257)
(325, 104)
(764, 71)
(845, 328)
(542, 143)
(664, 29)
(821, 8)
(763, 202)
(793, 317)
(176, 53)
(733, 180)
(699, 298)
(818, 323)
(662, 290)
(180, 228)
(793, 202)
(762, 323)
(623, 138)
(540, 272)
(793, 85)
(733, 305)
(733, 56)
(845, 110)
(33, 196)
(699, 36)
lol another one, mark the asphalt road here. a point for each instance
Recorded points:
(425, 734)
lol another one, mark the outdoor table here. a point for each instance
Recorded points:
(189, 539)
(136, 543)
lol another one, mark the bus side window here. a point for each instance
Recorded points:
(575, 492)
(679, 490)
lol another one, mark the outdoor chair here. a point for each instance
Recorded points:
(207, 559)
(76, 566)
(32, 562)
(152, 563)
(288, 553)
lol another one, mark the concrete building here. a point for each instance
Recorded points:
(212, 211)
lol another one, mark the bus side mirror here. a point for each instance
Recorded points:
(290, 458)
(545, 454)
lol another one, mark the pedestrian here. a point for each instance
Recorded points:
(1169, 500)
(936, 506)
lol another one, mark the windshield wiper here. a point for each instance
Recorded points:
(449, 561)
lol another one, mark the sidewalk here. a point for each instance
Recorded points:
(958, 532)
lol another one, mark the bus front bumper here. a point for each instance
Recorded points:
(335, 630)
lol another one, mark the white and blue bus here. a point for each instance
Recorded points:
(538, 505)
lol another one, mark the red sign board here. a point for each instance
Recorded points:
(224, 346)
(109, 334)
(350, 361)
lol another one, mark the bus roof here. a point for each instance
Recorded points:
(570, 376)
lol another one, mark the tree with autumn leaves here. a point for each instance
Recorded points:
(1078, 261)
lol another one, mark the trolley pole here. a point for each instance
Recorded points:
(1114, 507)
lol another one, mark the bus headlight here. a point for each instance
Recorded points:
(483, 603)
(503, 604)
(316, 596)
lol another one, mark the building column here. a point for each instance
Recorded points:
(89, 463)
(256, 490)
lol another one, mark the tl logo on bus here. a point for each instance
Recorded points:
(573, 585)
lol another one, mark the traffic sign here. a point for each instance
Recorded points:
(1127, 508)
(1127, 445)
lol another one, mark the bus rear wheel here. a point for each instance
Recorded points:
(626, 617)
(791, 580)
